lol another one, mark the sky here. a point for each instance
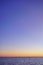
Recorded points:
(21, 28)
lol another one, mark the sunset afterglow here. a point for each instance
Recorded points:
(21, 27)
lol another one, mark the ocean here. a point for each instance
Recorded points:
(21, 60)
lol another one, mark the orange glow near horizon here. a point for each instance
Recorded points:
(22, 53)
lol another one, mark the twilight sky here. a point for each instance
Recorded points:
(21, 28)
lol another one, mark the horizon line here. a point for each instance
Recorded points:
(21, 56)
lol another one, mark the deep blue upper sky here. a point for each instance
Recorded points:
(21, 25)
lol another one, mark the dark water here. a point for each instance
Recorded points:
(21, 61)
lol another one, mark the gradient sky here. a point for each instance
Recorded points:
(21, 28)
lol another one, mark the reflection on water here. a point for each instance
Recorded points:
(21, 61)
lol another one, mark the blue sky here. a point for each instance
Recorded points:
(21, 26)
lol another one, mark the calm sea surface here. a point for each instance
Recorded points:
(21, 61)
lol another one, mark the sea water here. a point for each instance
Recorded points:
(21, 61)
